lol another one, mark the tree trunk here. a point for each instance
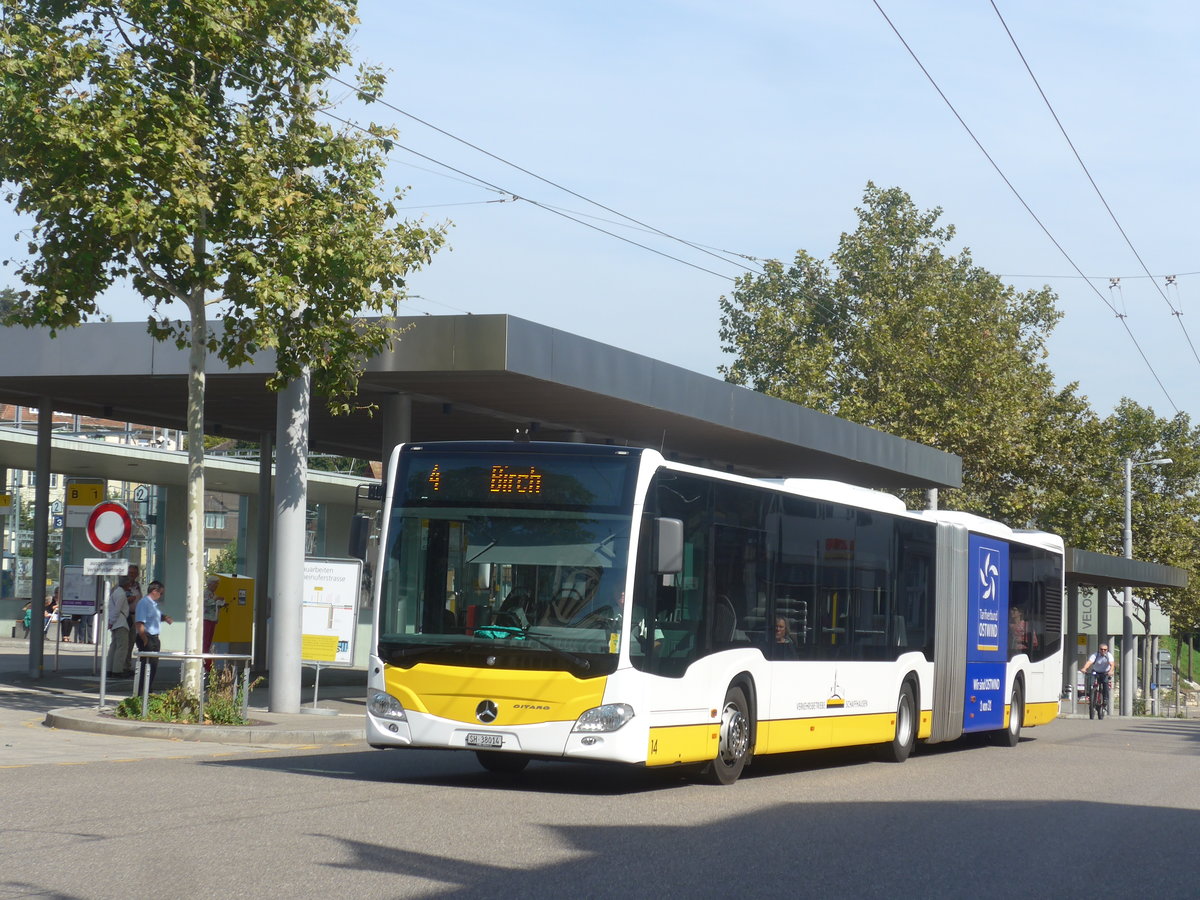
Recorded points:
(194, 586)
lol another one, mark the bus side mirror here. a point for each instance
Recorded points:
(668, 541)
(360, 531)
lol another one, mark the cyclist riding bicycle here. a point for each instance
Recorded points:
(1102, 664)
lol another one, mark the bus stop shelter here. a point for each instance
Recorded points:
(455, 378)
(1099, 570)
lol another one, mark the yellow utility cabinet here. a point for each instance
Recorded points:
(235, 610)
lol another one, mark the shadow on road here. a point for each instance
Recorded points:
(886, 850)
(458, 769)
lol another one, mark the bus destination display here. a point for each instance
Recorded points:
(493, 479)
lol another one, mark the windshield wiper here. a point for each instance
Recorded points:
(558, 651)
(512, 631)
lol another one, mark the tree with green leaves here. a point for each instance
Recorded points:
(225, 562)
(898, 333)
(181, 148)
(1164, 508)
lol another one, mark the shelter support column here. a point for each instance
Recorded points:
(1070, 651)
(41, 533)
(171, 566)
(396, 411)
(287, 558)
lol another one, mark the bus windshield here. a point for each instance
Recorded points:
(509, 581)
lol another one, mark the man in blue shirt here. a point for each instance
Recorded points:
(148, 621)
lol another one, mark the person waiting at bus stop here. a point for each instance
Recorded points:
(1102, 664)
(118, 626)
(148, 621)
(212, 609)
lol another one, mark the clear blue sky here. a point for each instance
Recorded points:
(754, 127)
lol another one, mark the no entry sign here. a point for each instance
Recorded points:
(109, 527)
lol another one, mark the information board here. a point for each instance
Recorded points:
(329, 612)
(78, 597)
(82, 497)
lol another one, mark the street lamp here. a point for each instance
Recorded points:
(1128, 656)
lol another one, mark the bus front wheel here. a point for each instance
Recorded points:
(733, 750)
(905, 738)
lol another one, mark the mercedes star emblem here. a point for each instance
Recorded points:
(486, 712)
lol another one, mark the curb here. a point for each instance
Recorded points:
(96, 722)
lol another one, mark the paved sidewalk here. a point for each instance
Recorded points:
(69, 693)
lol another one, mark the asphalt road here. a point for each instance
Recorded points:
(1079, 808)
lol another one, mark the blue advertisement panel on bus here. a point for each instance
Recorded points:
(987, 634)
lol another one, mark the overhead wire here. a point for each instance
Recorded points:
(1168, 278)
(1175, 312)
(382, 101)
(1124, 321)
(474, 178)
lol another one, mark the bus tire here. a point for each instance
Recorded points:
(502, 763)
(733, 748)
(905, 739)
(1016, 715)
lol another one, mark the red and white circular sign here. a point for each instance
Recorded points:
(109, 527)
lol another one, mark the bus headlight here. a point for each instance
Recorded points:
(605, 718)
(384, 706)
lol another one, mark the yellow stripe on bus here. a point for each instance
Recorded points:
(1039, 713)
(789, 735)
(521, 697)
(683, 744)
(698, 743)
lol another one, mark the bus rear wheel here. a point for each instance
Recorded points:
(502, 763)
(1016, 715)
(733, 750)
(902, 744)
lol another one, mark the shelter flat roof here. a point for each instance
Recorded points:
(1102, 570)
(477, 378)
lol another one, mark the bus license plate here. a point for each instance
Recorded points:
(485, 740)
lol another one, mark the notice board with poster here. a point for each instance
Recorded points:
(329, 611)
(78, 592)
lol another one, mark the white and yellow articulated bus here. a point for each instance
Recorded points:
(578, 602)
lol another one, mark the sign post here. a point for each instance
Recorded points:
(108, 528)
(100, 568)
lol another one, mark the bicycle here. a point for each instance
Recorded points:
(1097, 681)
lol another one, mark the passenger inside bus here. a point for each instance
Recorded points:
(782, 646)
(1021, 637)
